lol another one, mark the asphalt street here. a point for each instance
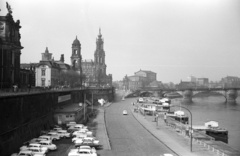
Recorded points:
(127, 136)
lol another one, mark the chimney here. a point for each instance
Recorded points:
(62, 58)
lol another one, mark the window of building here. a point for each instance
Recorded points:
(43, 82)
(43, 72)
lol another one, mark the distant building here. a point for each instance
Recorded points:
(94, 70)
(230, 81)
(202, 82)
(140, 79)
(48, 71)
(191, 79)
(186, 84)
(10, 50)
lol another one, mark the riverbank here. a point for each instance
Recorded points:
(179, 142)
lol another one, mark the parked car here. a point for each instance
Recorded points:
(54, 135)
(36, 140)
(34, 145)
(82, 152)
(47, 137)
(56, 129)
(23, 153)
(63, 133)
(79, 136)
(81, 140)
(89, 143)
(71, 123)
(48, 144)
(88, 147)
(82, 131)
(37, 151)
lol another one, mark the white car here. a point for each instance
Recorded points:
(89, 148)
(140, 100)
(54, 135)
(92, 139)
(79, 136)
(48, 144)
(34, 145)
(81, 152)
(47, 137)
(125, 112)
(72, 123)
(63, 134)
(23, 153)
(82, 131)
(37, 151)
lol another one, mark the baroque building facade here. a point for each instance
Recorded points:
(94, 71)
(10, 50)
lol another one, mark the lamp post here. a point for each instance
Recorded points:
(191, 131)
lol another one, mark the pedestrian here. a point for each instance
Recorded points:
(165, 118)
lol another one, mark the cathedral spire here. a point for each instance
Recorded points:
(100, 35)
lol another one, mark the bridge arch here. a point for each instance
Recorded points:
(210, 92)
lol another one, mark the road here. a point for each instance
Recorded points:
(127, 136)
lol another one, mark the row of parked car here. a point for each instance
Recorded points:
(43, 144)
(85, 143)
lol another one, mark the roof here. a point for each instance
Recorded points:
(146, 71)
(76, 41)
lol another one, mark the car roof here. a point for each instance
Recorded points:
(48, 141)
(25, 151)
(35, 144)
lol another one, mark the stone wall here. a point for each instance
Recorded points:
(23, 116)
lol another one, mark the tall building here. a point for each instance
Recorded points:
(95, 70)
(76, 58)
(10, 50)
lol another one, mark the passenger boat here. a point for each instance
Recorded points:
(178, 116)
(214, 131)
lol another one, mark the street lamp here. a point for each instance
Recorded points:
(191, 131)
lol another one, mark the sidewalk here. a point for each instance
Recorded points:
(101, 133)
(172, 139)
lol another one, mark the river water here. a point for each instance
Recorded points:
(214, 108)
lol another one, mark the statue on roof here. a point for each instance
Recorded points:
(9, 8)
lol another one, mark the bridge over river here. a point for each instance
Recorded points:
(230, 94)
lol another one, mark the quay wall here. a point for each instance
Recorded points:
(23, 116)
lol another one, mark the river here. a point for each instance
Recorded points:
(214, 108)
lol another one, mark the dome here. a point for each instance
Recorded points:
(76, 41)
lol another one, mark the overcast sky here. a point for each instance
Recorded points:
(174, 38)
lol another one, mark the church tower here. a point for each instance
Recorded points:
(99, 56)
(76, 57)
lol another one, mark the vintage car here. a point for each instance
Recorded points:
(23, 153)
(88, 143)
(125, 112)
(89, 148)
(48, 144)
(71, 123)
(79, 136)
(34, 145)
(55, 135)
(37, 151)
(47, 137)
(82, 152)
(81, 140)
(63, 134)
(82, 131)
